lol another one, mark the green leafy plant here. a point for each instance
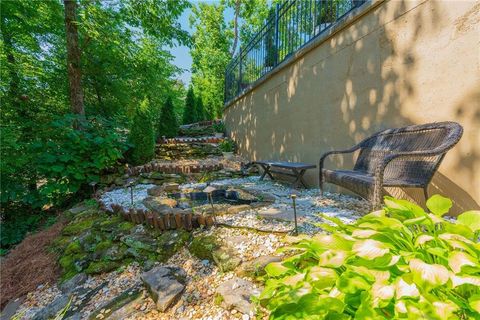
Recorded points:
(397, 263)
(69, 159)
(227, 145)
(189, 113)
(142, 136)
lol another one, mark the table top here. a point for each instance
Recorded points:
(287, 165)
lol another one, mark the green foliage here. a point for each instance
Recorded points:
(219, 127)
(200, 111)
(227, 145)
(189, 113)
(142, 136)
(397, 263)
(69, 159)
(168, 124)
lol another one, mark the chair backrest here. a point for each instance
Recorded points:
(437, 138)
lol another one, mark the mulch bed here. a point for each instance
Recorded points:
(29, 265)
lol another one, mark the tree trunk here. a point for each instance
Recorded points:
(73, 58)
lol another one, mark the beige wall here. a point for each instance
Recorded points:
(402, 62)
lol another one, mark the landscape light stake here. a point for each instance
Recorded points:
(93, 184)
(294, 196)
(213, 208)
(130, 185)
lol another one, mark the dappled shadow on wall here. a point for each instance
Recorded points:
(362, 76)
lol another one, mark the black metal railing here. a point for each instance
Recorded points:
(289, 27)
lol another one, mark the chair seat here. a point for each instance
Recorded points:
(354, 178)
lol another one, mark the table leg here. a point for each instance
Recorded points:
(299, 178)
(266, 171)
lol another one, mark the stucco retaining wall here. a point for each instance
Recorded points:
(394, 64)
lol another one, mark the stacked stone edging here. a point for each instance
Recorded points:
(173, 168)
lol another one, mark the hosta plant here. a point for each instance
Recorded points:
(397, 263)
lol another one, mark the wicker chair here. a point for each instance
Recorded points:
(403, 157)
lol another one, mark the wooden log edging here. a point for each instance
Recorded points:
(179, 140)
(172, 168)
(169, 221)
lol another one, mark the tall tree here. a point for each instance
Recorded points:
(215, 41)
(200, 112)
(168, 123)
(189, 112)
(73, 58)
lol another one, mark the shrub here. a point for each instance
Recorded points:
(400, 262)
(168, 123)
(227, 145)
(189, 113)
(200, 110)
(142, 136)
(219, 127)
(69, 159)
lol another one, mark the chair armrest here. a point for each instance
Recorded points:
(329, 153)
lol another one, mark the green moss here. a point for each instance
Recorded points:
(101, 267)
(170, 242)
(73, 247)
(78, 227)
(203, 246)
(125, 226)
(218, 299)
(61, 242)
(103, 245)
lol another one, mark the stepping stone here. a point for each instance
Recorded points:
(282, 214)
(11, 309)
(236, 293)
(165, 285)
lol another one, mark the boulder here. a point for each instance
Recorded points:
(171, 187)
(72, 284)
(165, 285)
(51, 310)
(121, 301)
(159, 204)
(256, 267)
(156, 191)
(226, 259)
(235, 294)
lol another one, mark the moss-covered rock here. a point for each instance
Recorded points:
(78, 227)
(202, 247)
(170, 242)
(101, 267)
(73, 247)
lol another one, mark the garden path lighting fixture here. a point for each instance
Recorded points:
(129, 184)
(93, 185)
(294, 196)
(209, 190)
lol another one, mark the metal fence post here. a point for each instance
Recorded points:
(239, 71)
(277, 42)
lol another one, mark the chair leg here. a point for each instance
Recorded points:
(425, 193)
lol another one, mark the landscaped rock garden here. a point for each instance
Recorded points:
(119, 269)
